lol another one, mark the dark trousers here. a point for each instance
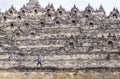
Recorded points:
(39, 63)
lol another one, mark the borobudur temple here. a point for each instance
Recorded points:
(64, 39)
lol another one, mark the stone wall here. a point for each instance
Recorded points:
(75, 61)
(60, 75)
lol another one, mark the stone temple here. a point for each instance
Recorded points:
(64, 39)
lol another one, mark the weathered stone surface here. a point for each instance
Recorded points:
(69, 61)
(60, 75)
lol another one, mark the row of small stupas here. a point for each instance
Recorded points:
(33, 8)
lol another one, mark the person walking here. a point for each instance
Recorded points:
(38, 60)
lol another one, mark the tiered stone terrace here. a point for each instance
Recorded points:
(64, 39)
